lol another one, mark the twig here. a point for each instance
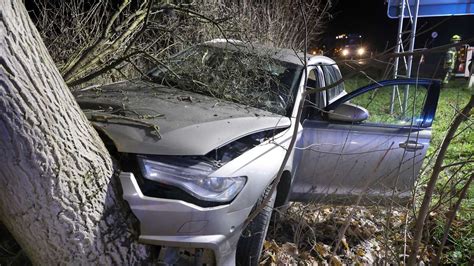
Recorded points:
(450, 219)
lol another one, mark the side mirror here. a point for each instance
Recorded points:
(348, 112)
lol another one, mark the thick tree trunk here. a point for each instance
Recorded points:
(58, 195)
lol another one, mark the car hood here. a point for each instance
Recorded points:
(147, 118)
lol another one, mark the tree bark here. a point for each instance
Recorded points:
(58, 193)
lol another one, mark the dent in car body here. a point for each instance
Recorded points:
(195, 126)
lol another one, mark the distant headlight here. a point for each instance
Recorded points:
(192, 176)
(345, 52)
(361, 51)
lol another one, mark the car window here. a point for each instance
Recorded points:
(378, 104)
(332, 75)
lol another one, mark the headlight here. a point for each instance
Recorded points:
(345, 52)
(361, 51)
(192, 176)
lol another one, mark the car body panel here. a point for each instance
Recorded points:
(194, 126)
(283, 54)
(344, 162)
(198, 139)
(176, 223)
(162, 220)
(368, 162)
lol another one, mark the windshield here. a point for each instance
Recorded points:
(233, 75)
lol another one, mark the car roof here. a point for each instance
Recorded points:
(282, 54)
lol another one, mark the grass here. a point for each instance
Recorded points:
(460, 247)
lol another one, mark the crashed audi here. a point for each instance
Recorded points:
(201, 138)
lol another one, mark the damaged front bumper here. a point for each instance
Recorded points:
(176, 223)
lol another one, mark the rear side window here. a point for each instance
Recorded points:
(332, 75)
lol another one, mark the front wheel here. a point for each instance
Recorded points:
(251, 241)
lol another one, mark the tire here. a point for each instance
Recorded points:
(250, 244)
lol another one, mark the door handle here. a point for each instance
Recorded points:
(411, 145)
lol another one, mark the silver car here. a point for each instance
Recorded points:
(200, 142)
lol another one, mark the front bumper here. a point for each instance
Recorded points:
(177, 223)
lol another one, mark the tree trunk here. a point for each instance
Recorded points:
(58, 193)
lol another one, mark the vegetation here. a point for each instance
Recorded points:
(120, 39)
(109, 41)
(457, 169)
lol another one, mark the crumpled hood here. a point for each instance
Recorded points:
(148, 118)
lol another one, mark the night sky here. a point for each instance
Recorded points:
(369, 18)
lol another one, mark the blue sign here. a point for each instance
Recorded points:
(433, 8)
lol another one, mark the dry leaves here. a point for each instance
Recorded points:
(306, 235)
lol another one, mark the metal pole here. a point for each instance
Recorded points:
(410, 58)
(397, 50)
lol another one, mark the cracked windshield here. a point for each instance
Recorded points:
(233, 75)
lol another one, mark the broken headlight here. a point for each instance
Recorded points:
(192, 176)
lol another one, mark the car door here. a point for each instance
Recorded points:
(356, 149)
